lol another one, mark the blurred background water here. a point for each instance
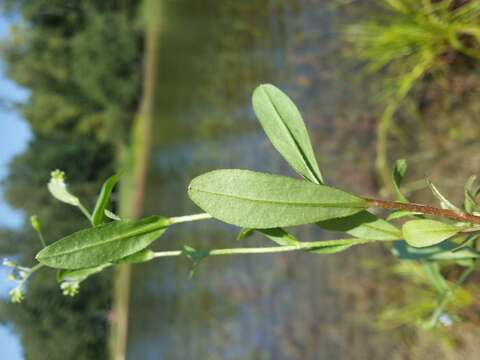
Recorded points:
(211, 55)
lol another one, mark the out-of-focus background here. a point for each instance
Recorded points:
(162, 89)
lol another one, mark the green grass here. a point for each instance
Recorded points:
(404, 42)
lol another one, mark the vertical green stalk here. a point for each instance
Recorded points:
(133, 159)
(405, 85)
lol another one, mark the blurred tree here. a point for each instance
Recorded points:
(50, 325)
(80, 60)
(53, 326)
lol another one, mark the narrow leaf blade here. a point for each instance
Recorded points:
(331, 249)
(102, 244)
(444, 202)
(98, 216)
(399, 172)
(286, 129)
(261, 201)
(423, 233)
(363, 225)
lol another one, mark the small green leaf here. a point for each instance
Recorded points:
(102, 244)
(399, 172)
(138, 257)
(335, 246)
(470, 202)
(331, 249)
(401, 214)
(444, 203)
(363, 225)
(257, 200)
(196, 256)
(244, 233)
(58, 189)
(98, 216)
(112, 215)
(80, 274)
(285, 128)
(279, 236)
(422, 233)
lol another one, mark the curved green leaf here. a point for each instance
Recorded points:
(422, 233)
(80, 274)
(102, 244)
(138, 257)
(444, 203)
(98, 216)
(327, 250)
(285, 128)
(363, 225)
(257, 200)
(399, 172)
(279, 236)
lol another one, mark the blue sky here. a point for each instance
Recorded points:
(14, 136)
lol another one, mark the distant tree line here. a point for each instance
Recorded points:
(80, 61)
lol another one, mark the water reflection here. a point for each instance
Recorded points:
(294, 306)
(259, 307)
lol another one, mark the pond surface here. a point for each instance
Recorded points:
(292, 306)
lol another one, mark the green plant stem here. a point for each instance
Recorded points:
(190, 218)
(41, 238)
(32, 270)
(423, 209)
(273, 249)
(372, 203)
(385, 123)
(85, 212)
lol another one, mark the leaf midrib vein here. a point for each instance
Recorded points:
(358, 205)
(303, 155)
(97, 244)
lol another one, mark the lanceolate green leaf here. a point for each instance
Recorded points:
(422, 233)
(363, 225)
(103, 200)
(102, 244)
(257, 200)
(285, 128)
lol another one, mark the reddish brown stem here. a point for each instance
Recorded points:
(423, 209)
